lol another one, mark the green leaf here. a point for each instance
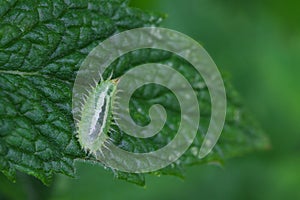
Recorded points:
(43, 43)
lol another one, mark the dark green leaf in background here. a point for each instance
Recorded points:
(43, 43)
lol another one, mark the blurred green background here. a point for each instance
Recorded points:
(258, 42)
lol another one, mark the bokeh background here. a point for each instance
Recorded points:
(258, 43)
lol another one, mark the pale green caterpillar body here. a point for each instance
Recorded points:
(96, 117)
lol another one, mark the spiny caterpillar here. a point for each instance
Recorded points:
(96, 117)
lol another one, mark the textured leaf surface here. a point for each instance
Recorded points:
(43, 43)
